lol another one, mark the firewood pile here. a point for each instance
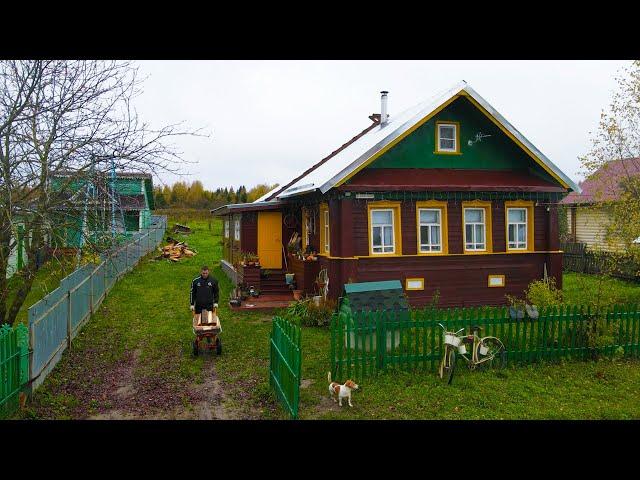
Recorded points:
(175, 250)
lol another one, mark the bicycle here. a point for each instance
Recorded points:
(483, 351)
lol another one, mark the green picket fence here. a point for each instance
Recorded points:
(365, 343)
(14, 366)
(285, 363)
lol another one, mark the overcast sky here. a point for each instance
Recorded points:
(270, 120)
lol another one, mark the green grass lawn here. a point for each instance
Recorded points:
(47, 279)
(580, 288)
(133, 360)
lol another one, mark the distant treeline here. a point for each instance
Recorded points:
(194, 195)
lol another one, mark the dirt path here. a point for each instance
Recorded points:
(212, 405)
(133, 360)
(128, 392)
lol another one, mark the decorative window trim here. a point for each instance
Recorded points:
(487, 227)
(444, 225)
(438, 150)
(236, 229)
(528, 206)
(409, 287)
(226, 228)
(304, 229)
(325, 230)
(397, 231)
(308, 226)
(495, 277)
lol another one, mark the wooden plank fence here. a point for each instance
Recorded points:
(285, 364)
(365, 343)
(577, 258)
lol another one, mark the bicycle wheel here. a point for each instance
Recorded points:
(443, 361)
(493, 346)
(451, 365)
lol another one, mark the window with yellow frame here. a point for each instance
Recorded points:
(325, 247)
(448, 137)
(476, 227)
(385, 237)
(431, 226)
(519, 226)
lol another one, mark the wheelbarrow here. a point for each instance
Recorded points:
(207, 328)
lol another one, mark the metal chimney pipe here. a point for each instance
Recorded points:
(383, 107)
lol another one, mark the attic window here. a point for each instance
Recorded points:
(447, 137)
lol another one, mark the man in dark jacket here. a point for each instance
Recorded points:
(204, 292)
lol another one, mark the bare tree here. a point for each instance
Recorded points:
(72, 121)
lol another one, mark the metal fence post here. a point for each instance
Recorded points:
(69, 319)
(91, 292)
(32, 346)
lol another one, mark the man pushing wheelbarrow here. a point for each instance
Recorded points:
(205, 294)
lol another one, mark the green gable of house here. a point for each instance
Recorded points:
(124, 186)
(497, 152)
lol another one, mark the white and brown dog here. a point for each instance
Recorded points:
(342, 391)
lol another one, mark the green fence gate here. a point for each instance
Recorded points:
(14, 366)
(285, 363)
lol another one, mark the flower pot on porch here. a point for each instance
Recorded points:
(297, 294)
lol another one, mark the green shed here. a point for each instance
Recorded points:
(387, 298)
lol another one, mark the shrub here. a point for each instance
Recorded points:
(543, 293)
(515, 302)
(308, 314)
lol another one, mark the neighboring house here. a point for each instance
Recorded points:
(587, 214)
(134, 202)
(446, 196)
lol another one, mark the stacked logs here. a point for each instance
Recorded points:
(175, 250)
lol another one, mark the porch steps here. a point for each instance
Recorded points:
(274, 284)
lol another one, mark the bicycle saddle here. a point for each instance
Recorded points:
(476, 328)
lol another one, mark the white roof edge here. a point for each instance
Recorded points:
(266, 195)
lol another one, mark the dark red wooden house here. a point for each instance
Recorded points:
(446, 196)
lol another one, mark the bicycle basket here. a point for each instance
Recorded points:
(483, 349)
(452, 340)
(462, 349)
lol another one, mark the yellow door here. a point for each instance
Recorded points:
(270, 239)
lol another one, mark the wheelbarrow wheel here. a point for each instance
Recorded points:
(194, 345)
(218, 346)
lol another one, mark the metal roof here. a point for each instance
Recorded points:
(244, 207)
(605, 183)
(267, 195)
(382, 137)
(386, 295)
(372, 286)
